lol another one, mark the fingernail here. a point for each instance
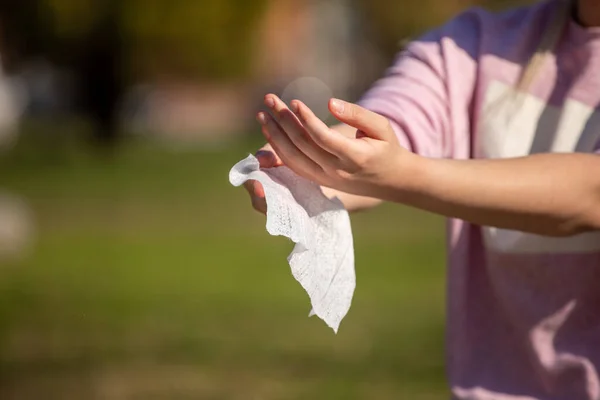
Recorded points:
(338, 106)
(294, 107)
(265, 157)
(269, 102)
(261, 118)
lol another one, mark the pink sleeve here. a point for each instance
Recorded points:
(428, 91)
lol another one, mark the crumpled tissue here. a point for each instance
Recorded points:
(322, 260)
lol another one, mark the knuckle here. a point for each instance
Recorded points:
(360, 159)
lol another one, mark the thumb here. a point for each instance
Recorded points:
(371, 124)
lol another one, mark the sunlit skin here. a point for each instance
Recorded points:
(361, 162)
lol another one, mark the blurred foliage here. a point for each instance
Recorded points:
(24, 25)
(209, 39)
(203, 39)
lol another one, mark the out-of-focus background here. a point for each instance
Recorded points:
(130, 269)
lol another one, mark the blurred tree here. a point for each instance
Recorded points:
(109, 44)
(202, 39)
(100, 70)
(25, 31)
(206, 40)
(89, 41)
(112, 43)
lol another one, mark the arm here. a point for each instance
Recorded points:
(416, 96)
(547, 194)
(352, 203)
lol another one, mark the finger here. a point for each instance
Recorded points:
(254, 188)
(259, 204)
(373, 125)
(268, 158)
(292, 127)
(289, 153)
(257, 195)
(328, 139)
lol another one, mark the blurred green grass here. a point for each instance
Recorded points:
(152, 278)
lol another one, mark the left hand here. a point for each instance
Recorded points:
(362, 165)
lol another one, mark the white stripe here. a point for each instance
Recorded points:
(573, 120)
(507, 241)
(529, 125)
(508, 130)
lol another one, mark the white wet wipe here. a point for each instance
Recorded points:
(322, 260)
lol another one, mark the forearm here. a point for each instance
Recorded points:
(547, 194)
(351, 202)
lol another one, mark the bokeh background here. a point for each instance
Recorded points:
(130, 269)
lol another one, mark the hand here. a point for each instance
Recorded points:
(359, 165)
(267, 158)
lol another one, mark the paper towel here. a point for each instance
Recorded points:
(322, 260)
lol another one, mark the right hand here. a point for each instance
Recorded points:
(267, 158)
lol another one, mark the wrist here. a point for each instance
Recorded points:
(408, 178)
